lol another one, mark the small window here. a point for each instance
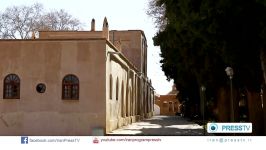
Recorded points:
(170, 106)
(70, 88)
(117, 89)
(11, 87)
(111, 87)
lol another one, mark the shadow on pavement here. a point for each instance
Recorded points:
(161, 125)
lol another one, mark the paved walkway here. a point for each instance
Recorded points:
(161, 125)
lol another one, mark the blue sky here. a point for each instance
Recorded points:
(121, 15)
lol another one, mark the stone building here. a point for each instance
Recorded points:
(168, 104)
(74, 82)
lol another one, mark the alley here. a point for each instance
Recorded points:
(161, 125)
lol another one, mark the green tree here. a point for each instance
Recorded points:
(201, 38)
(188, 56)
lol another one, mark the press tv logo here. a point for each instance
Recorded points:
(24, 140)
(229, 127)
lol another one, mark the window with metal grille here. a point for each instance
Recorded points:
(11, 87)
(70, 88)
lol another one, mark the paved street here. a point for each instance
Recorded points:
(161, 125)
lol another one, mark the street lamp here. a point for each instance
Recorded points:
(230, 72)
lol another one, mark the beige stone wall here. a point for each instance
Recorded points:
(87, 55)
(133, 101)
(70, 34)
(118, 106)
(133, 46)
(132, 43)
(46, 61)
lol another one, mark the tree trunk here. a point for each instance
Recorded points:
(264, 108)
(255, 113)
(236, 98)
(263, 64)
(223, 105)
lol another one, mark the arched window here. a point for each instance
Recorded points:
(11, 87)
(122, 100)
(117, 89)
(111, 87)
(70, 87)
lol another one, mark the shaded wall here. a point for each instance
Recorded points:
(129, 94)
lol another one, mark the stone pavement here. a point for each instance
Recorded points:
(161, 125)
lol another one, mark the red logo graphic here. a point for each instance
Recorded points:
(95, 141)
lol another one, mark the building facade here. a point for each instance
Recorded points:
(168, 104)
(74, 82)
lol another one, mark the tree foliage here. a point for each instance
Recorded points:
(202, 37)
(59, 20)
(157, 11)
(21, 21)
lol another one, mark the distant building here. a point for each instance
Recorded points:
(168, 104)
(74, 82)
